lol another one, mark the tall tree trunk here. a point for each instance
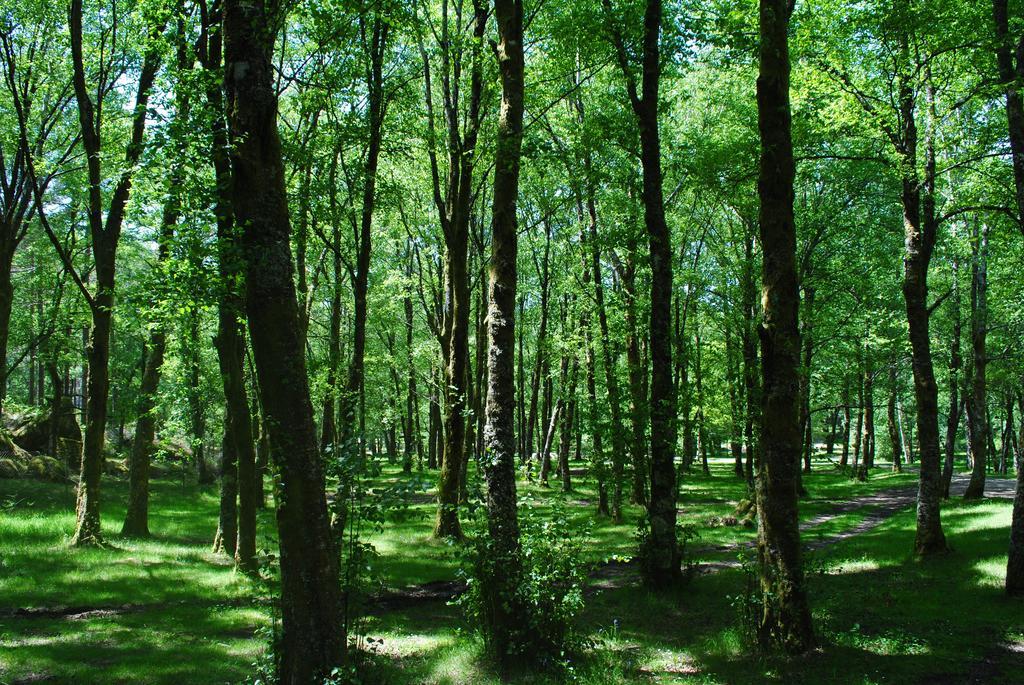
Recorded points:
(1010, 63)
(979, 329)
(456, 210)
(136, 520)
(807, 339)
(637, 392)
(6, 305)
(538, 377)
(786, 617)
(226, 539)
(955, 365)
(105, 235)
(196, 406)
(868, 458)
(661, 555)
(328, 422)
(313, 638)
(503, 608)
(607, 357)
(735, 401)
(353, 416)
(920, 244)
(751, 377)
(890, 416)
(410, 437)
(844, 458)
(698, 377)
(565, 443)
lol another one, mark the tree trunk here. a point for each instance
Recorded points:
(735, 400)
(868, 459)
(503, 608)
(313, 638)
(979, 392)
(568, 424)
(1011, 74)
(637, 393)
(786, 617)
(955, 364)
(226, 539)
(844, 458)
(890, 416)
(105, 236)
(196, 405)
(136, 520)
(751, 383)
(807, 339)
(920, 244)
(661, 555)
(328, 423)
(6, 305)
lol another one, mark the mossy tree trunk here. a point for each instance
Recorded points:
(786, 618)
(313, 638)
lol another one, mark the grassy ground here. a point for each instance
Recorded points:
(170, 611)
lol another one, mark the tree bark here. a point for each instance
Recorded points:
(503, 609)
(890, 417)
(455, 211)
(955, 365)
(313, 638)
(105, 235)
(1010, 66)
(920, 244)
(661, 555)
(979, 392)
(786, 617)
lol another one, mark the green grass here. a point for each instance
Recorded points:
(174, 612)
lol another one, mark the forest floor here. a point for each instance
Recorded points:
(168, 610)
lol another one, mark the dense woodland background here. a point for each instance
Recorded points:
(346, 259)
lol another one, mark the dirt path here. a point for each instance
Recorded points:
(882, 505)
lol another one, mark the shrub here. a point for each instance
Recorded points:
(550, 589)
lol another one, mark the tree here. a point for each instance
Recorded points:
(313, 638)
(105, 235)
(661, 555)
(504, 610)
(786, 616)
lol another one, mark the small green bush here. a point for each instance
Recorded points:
(550, 590)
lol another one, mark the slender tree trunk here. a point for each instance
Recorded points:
(979, 392)
(661, 555)
(6, 305)
(786, 617)
(568, 424)
(955, 364)
(868, 458)
(920, 244)
(637, 393)
(735, 400)
(136, 520)
(844, 459)
(328, 422)
(751, 382)
(807, 339)
(607, 357)
(226, 538)
(1011, 73)
(503, 608)
(353, 416)
(196, 406)
(105, 236)
(313, 638)
(890, 416)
